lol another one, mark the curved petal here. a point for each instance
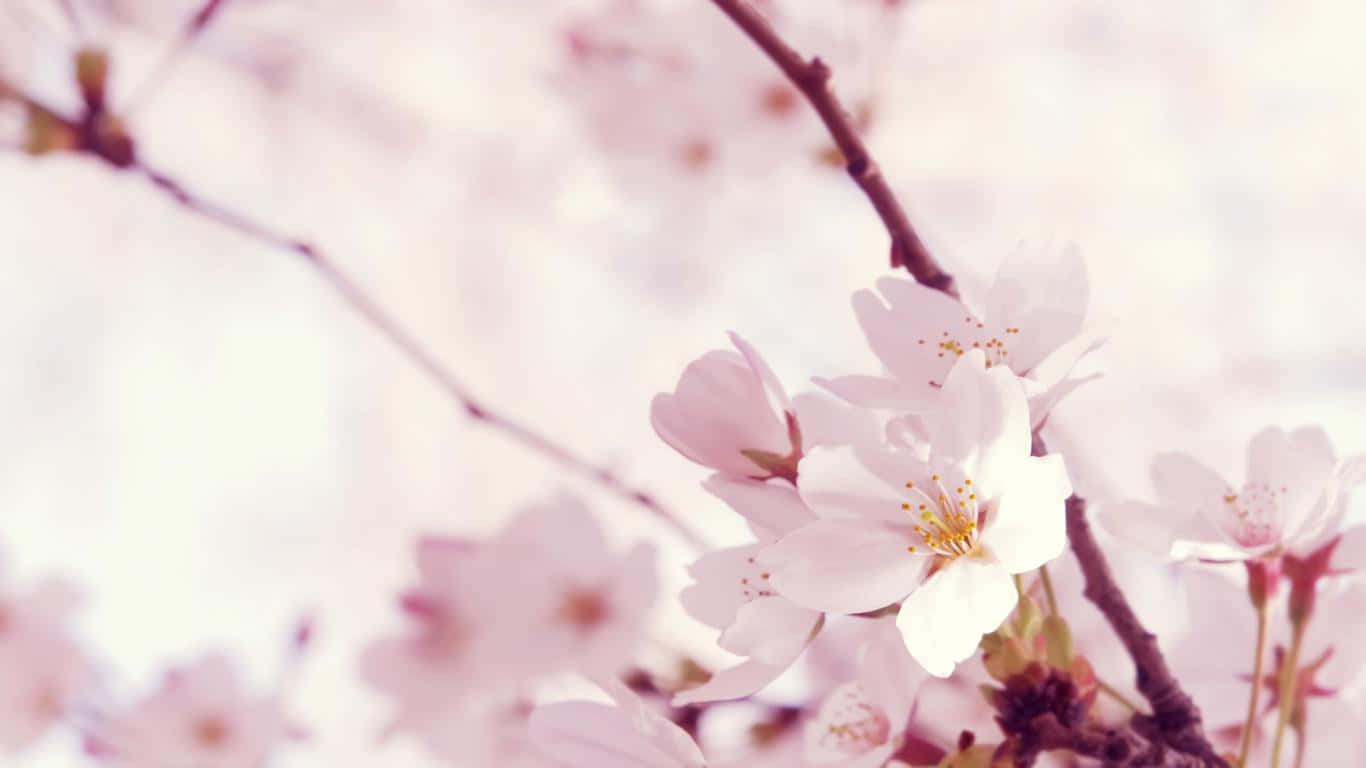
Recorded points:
(1027, 528)
(844, 566)
(878, 392)
(1182, 481)
(982, 423)
(772, 508)
(772, 387)
(1150, 526)
(837, 482)
(773, 630)
(744, 679)
(582, 733)
(943, 621)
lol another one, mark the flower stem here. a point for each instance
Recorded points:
(1257, 665)
(1048, 590)
(1288, 674)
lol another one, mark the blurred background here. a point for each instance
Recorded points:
(567, 201)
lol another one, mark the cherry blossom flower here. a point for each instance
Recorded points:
(730, 412)
(41, 665)
(1327, 702)
(732, 594)
(1290, 502)
(862, 723)
(564, 598)
(583, 734)
(200, 716)
(545, 595)
(1032, 325)
(949, 530)
(430, 668)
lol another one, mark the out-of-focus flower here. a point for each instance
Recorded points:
(545, 595)
(583, 734)
(729, 412)
(1032, 325)
(567, 601)
(1326, 697)
(200, 716)
(41, 668)
(732, 594)
(862, 723)
(949, 530)
(1291, 502)
(430, 668)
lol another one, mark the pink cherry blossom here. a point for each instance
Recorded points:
(545, 595)
(949, 530)
(583, 734)
(42, 668)
(730, 412)
(565, 599)
(201, 715)
(732, 594)
(1032, 325)
(1290, 502)
(1218, 674)
(863, 722)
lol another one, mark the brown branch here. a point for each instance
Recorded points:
(377, 317)
(1114, 747)
(1176, 718)
(812, 78)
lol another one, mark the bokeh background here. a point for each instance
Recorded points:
(203, 438)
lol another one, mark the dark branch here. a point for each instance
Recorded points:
(812, 78)
(1175, 720)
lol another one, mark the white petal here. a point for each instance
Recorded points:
(737, 682)
(772, 508)
(983, 422)
(879, 392)
(1182, 481)
(1027, 528)
(826, 420)
(1153, 527)
(943, 621)
(844, 566)
(837, 482)
(773, 630)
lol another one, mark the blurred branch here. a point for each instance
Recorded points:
(812, 78)
(377, 317)
(98, 134)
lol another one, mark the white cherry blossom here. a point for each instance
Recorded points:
(625, 734)
(1032, 325)
(1291, 502)
(948, 529)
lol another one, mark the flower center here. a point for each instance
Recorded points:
(855, 726)
(1254, 516)
(953, 343)
(947, 520)
(211, 732)
(584, 609)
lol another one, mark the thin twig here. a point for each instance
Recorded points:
(375, 315)
(812, 78)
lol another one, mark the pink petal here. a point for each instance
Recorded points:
(844, 566)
